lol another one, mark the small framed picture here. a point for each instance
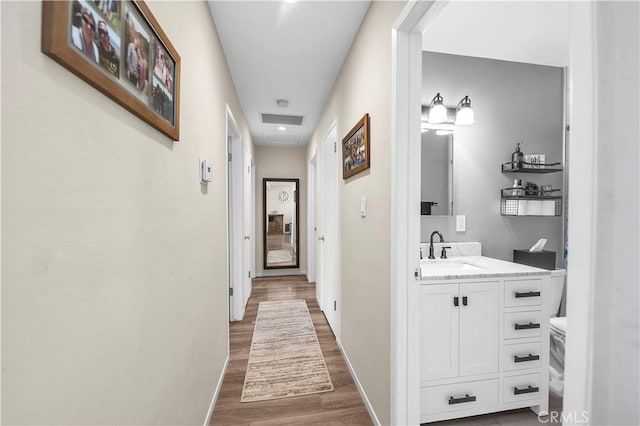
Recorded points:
(355, 149)
(534, 161)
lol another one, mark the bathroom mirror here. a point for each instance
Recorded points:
(437, 174)
(280, 223)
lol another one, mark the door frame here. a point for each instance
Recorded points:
(235, 286)
(405, 221)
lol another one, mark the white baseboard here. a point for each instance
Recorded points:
(366, 401)
(280, 272)
(216, 392)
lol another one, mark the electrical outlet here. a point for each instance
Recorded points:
(461, 223)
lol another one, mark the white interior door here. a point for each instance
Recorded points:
(311, 220)
(247, 206)
(328, 233)
(235, 219)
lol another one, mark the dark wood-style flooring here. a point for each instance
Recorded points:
(342, 406)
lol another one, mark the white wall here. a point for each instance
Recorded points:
(616, 347)
(280, 162)
(114, 279)
(364, 86)
(513, 102)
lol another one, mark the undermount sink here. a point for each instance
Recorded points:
(445, 265)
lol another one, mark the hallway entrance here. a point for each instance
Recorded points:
(343, 404)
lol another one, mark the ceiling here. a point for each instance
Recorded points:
(279, 50)
(534, 32)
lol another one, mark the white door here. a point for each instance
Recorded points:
(479, 325)
(439, 321)
(328, 233)
(311, 221)
(247, 206)
(235, 219)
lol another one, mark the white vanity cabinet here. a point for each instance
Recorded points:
(484, 345)
(459, 326)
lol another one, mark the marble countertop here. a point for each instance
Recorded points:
(464, 267)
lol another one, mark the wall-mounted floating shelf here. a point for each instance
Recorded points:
(530, 205)
(510, 167)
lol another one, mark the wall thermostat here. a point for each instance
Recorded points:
(206, 171)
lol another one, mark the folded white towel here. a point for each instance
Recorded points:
(559, 323)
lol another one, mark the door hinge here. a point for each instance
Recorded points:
(231, 291)
(334, 305)
(248, 169)
(334, 147)
(229, 156)
(416, 274)
(248, 274)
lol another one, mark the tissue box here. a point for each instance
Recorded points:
(544, 259)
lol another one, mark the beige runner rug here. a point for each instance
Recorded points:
(285, 358)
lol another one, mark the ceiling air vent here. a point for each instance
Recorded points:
(295, 120)
(280, 139)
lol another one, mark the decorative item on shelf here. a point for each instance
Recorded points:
(534, 161)
(531, 189)
(517, 188)
(517, 157)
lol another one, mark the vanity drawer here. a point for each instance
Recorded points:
(521, 356)
(522, 324)
(521, 388)
(523, 293)
(458, 396)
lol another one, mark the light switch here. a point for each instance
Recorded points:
(461, 223)
(363, 207)
(206, 171)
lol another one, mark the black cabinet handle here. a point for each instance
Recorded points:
(527, 294)
(529, 389)
(526, 326)
(465, 398)
(517, 358)
(464, 300)
(456, 301)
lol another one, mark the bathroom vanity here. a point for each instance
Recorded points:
(484, 336)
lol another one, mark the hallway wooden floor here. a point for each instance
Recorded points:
(342, 406)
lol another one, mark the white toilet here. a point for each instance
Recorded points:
(558, 332)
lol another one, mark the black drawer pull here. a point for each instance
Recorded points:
(464, 300)
(529, 389)
(526, 358)
(526, 326)
(456, 301)
(465, 398)
(527, 294)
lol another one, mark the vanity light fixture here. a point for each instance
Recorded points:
(437, 110)
(438, 113)
(443, 132)
(464, 113)
(282, 128)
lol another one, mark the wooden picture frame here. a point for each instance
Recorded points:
(355, 149)
(119, 48)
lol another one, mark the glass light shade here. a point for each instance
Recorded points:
(464, 116)
(437, 114)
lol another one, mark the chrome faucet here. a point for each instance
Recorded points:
(431, 256)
